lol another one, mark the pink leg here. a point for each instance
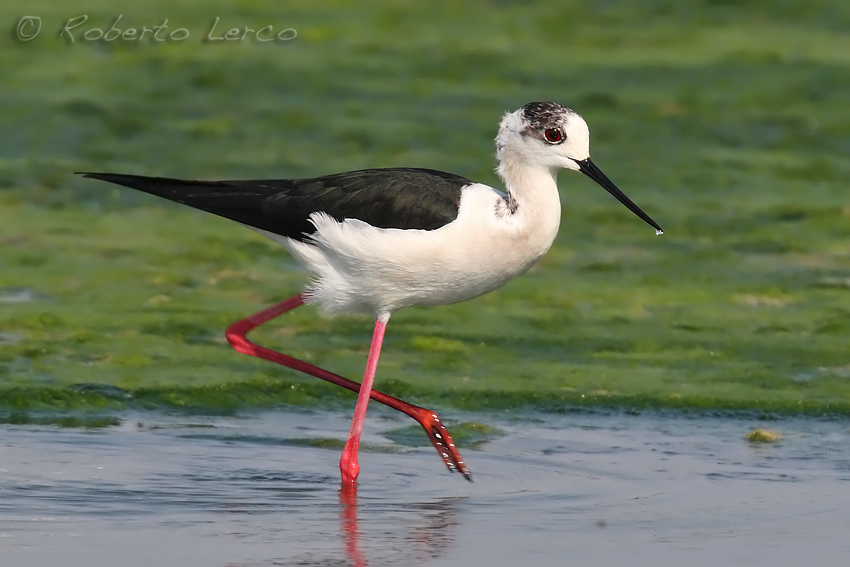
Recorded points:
(348, 465)
(430, 421)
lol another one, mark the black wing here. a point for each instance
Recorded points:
(386, 198)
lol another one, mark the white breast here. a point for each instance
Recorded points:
(358, 268)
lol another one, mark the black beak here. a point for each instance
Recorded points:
(588, 168)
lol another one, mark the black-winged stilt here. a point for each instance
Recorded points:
(378, 240)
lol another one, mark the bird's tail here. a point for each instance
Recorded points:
(242, 201)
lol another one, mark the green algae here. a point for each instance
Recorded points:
(339, 444)
(468, 434)
(65, 421)
(727, 123)
(763, 436)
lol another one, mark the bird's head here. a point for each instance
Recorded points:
(545, 134)
(551, 136)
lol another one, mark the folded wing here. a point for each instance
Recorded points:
(407, 198)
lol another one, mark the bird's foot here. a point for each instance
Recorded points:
(349, 467)
(442, 441)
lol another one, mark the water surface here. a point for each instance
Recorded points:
(580, 489)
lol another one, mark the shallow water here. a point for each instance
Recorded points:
(575, 489)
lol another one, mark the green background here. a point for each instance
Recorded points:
(728, 122)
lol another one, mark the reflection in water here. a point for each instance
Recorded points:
(668, 490)
(348, 500)
(436, 534)
(431, 534)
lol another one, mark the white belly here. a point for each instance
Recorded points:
(358, 268)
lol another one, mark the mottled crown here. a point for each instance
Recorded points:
(542, 115)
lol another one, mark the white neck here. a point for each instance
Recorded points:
(532, 191)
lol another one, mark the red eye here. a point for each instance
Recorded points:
(553, 135)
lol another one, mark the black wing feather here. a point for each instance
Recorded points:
(386, 198)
